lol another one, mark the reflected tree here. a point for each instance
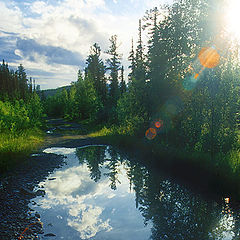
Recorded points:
(172, 210)
(113, 167)
(94, 158)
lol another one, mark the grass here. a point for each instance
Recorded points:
(15, 146)
(102, 132)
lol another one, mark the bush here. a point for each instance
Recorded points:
(18, 116)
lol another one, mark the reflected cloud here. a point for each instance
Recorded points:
(84, 205)
(86, 220)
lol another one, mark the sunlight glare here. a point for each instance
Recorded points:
(232, 18)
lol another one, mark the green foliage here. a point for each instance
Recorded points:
(199, 116)
(131, 112)
(18, 116)
(14, 85)
(80, 103)
(87, 100)
(56, 105)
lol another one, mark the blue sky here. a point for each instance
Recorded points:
(52, 38)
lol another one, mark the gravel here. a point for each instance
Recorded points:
(16, 192)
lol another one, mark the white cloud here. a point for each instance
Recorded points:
(73, 25)
(38, 7)
(11, 17)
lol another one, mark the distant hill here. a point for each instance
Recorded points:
(52, 92)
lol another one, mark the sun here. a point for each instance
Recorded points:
(232, 18)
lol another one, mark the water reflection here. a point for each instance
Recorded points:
(99, 194)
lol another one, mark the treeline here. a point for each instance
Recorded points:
(15, 85)
(20, 105)
(182, 87)
(95, 94)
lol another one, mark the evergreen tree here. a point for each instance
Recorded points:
(157, 60)
(23, 84)
(122, 86)
(132, 65)
(113, 63)
(95, 70)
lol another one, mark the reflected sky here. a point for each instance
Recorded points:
(76, 206)
(99, 194)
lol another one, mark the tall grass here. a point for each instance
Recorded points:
(22, 142)
(14, 147)
(19, 129)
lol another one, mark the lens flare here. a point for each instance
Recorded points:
(158, 123)
(209, 57)
(196, 75)
(151, 133)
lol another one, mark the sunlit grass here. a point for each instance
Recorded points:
(14, 146)
(113, 130)
(23, 142)
(102, 132)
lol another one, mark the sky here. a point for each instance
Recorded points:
(52, 38)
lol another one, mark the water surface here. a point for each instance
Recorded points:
(99, 194)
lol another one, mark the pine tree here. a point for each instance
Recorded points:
(138, 84)
(113, 63)
(95, 71)
(132, 65)
(122, 86)
(23, 85)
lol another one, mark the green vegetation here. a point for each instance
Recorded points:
(181, 99)
(20, 116)
(186, 80)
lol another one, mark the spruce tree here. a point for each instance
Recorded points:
(23, 85)
(122, 86)
(132, 65)
(95, 71)
(113, 65)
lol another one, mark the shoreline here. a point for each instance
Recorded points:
(199, 178)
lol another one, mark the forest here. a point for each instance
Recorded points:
(20, 114)
(182, 90)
